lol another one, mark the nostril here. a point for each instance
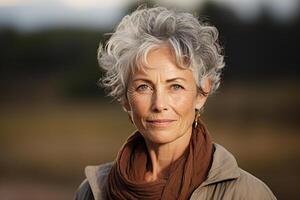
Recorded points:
(159, 101)
(159, 106)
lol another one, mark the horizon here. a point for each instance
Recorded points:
(33, 15)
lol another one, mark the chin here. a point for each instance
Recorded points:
(160, 136)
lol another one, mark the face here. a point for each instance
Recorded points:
(162, 98)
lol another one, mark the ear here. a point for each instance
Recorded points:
(126, 106)
(206, 87)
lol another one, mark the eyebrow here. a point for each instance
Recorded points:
(176, 78)
(168, 80)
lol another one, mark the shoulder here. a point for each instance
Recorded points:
(251, 187)
(245, 186)
(226, 180)
(91, 187)
(84, 191)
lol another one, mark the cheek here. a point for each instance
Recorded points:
(184, 105)
(139, 103)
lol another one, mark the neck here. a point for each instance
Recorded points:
(162, 155)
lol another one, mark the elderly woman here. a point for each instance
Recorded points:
(161, 65)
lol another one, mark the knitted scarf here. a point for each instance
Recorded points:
(126, 178)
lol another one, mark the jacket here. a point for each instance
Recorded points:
(225, 181)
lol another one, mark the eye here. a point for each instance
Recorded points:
(143, 87)
(176, 87)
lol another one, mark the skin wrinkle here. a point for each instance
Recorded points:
(152, 95)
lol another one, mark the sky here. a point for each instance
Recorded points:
(37, 14)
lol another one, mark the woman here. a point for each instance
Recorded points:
(161, 65)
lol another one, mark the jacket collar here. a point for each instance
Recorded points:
(224, 167)
(97, 176)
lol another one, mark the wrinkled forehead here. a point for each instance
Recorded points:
(156, 58)
(163, 72)
(159, 60)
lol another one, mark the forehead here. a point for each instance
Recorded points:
(162, 61)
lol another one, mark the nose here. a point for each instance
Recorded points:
(159, 101)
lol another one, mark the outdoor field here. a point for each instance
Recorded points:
(55, 119)
(45, 144)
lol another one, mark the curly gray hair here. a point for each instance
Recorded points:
(195, 45)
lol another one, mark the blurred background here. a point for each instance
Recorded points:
(54, 120)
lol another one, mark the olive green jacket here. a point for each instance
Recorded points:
(225, 181)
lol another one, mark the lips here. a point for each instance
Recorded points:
(160, 122)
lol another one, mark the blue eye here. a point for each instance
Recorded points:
(176, 87)
(142, 87)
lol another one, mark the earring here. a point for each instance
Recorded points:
(197, 115)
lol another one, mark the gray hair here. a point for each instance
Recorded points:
(195, 45)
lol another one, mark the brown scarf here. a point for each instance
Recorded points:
(126, 178)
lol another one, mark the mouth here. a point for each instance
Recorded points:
(160, 122)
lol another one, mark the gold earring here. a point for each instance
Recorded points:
(197, 115)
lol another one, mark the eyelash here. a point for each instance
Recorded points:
(177, 86)
(143, 87)
(140, 87)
